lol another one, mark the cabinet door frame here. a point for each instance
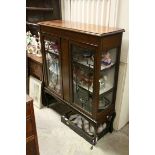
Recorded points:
(108, 43)
(95, 89)
(45, 36)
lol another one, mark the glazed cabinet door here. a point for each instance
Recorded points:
(82, 70)
(52, 66)
(109, 68)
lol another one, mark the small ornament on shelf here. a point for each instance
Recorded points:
(88, 57)
(33, 44)
(102, 82)
(46, 45)
(106, 60)
(29, 48)
(28, 37)
(39, 46)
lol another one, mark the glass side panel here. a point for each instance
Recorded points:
(53, 65)
(105, 100)
(82, 69)
(106, 81)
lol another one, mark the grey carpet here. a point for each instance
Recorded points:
(55, 138)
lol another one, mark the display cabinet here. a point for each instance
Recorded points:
(80, 69)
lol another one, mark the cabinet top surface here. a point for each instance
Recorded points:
(83, 28)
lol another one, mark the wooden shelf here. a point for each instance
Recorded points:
(35, 58)
(39, 9)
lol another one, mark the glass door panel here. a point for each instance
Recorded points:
(106, 81)
(52, 50)
(83, 70)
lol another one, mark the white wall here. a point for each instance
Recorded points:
(122, 99)
(98, 12)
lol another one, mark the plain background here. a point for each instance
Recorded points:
(13, 77)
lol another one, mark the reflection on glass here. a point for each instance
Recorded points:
(53, 67)
(105, 100)
(83, 64)
(106, 80)
(52, 46)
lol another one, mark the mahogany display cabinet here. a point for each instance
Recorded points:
(80, 69)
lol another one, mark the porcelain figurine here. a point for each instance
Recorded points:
(106, 60)
(29, 49)
(34, 43)
(39, 46)
(103, 82)
(28, 37)
(87, 54)
(46, 45)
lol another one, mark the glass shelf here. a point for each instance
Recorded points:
(90, 63)
(83, 77)
(102, 90)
